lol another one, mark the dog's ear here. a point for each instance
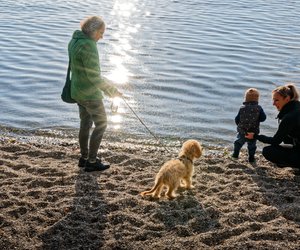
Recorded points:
(197, 149)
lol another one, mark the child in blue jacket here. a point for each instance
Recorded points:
(247, 120)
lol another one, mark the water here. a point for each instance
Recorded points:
(184, 65)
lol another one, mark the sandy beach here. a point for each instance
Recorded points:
(48, 202)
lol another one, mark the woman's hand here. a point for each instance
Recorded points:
(249, 135)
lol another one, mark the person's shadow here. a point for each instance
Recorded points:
(84, 221)
(279, 188)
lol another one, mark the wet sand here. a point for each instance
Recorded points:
(48, 202)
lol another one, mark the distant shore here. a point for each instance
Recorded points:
(48, 202)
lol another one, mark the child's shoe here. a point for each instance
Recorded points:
(251, 159)
(235, 156)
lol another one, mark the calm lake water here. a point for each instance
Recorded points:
(183, 65)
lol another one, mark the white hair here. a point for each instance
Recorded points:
(92, 24)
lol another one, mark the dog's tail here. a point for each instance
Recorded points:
(152, 190)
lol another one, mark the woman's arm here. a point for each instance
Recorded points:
(90, 59)
(282, 132)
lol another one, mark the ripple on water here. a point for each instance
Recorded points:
(188, 63)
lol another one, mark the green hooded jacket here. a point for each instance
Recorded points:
(86, 81)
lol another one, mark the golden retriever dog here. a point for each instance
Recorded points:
(176, 172)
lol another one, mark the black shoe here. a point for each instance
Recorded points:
(296, 171)
(281, 165)
(95, 166)
(235, 156)
(82, 162)
(251, 159)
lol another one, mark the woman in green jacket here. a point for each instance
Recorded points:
(87, 88)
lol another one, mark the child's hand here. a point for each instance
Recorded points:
(249, 135)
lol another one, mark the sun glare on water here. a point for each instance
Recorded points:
(116, 111)
(121, 54)
(119, 74)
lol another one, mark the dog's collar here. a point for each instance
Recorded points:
(184, 157)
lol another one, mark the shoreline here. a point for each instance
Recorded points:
(61, 133)
(47, 202)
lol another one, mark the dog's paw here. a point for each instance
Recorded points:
(155, 197)
(145, 193)
(171, 196)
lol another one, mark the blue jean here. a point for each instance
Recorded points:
(240, 141)
(91, 112)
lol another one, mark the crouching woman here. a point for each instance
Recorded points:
(286, 100)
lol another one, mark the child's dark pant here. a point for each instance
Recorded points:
(240, 141)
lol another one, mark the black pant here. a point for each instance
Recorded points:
(277, 154)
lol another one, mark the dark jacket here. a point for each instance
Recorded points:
(249, 117)
(289, 126)
(86, 80)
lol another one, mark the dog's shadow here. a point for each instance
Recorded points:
(185, 214)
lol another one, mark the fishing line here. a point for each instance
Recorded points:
(144, 124)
